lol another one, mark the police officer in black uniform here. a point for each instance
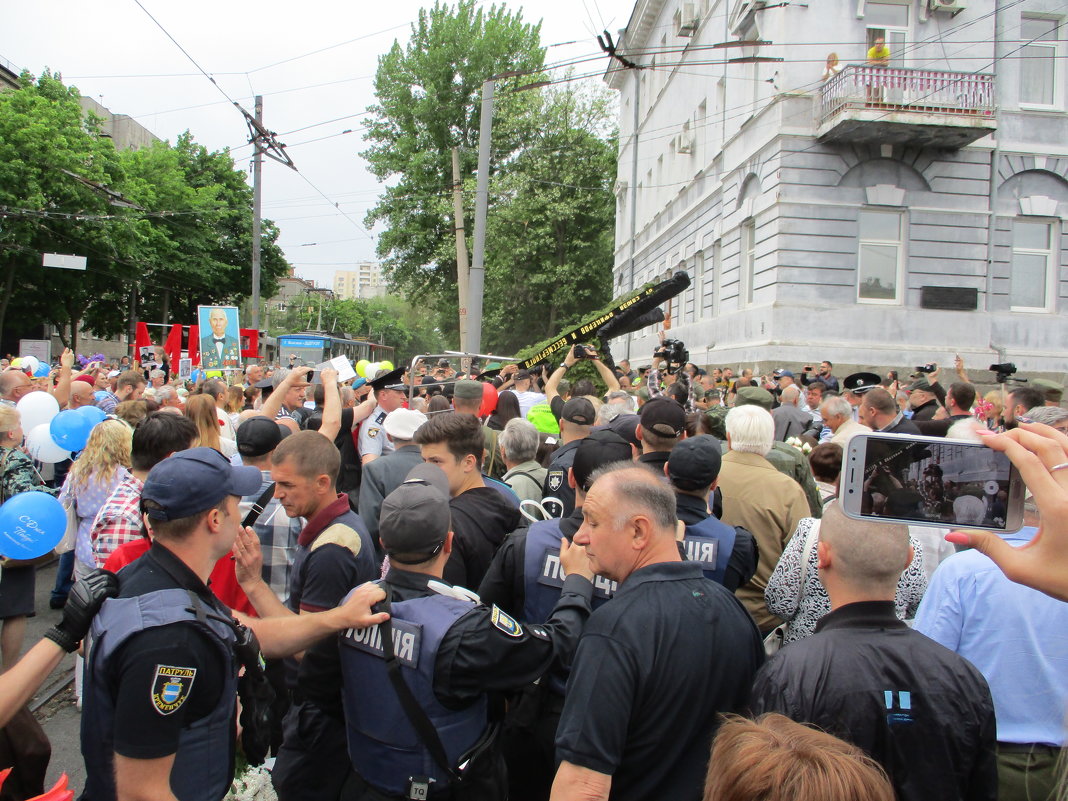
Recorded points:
(728, 554)
(162, 668)
(419, 732)
(576, 417)
(525, 579)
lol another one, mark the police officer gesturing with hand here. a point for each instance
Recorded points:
(161, 687)
(449, 650)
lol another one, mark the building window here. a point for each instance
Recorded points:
(748, 274)
(879, 257)
(1032, 282)
(1038, 62)
(717, 278)
(888, 21)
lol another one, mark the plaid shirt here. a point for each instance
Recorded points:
(278, 535)
(119, 519)
(653, 379)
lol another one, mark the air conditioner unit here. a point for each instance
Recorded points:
(684, 143)
(955, 6)
(686, 20)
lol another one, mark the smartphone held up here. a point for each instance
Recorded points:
(931, 481)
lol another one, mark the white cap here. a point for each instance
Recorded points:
(403, 423)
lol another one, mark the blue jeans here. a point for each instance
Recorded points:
(64, 577)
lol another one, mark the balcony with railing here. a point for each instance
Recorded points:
(896, 105)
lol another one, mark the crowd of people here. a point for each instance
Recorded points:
(499, 584)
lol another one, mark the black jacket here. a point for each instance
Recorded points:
(920, 710)
(481, 519)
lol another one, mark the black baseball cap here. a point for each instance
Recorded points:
(579, 411)
(258, 436)
(694, 463)
(415, 518)
(194, 480)
(601, 447)
(664, 417)
(626, 426)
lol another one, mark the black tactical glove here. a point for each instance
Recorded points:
(84, 601)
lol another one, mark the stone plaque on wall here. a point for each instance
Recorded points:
(952, 298)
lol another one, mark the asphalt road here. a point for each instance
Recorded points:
(59, 716)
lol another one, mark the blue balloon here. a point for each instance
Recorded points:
(94, 414)
(42, 371)
(70, 430)
(100, 395)
(31, 525)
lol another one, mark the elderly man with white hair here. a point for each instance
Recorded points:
(790, 420)
(837, 415)
(760, 499)
(518, 443)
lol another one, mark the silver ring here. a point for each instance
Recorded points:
(1060, 466)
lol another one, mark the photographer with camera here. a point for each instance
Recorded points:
(571, 358)
(673, 352)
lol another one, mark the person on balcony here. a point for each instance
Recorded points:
(832, 68)
(878, 56)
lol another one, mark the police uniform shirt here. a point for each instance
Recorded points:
(503, 583)
(165, 678)
(556, 477)
(486, 649)
(744, 557)
(655, 669)
(373, 439)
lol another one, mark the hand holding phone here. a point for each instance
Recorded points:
(930, 481)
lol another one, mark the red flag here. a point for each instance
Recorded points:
(141, 339)
(253, 337)
(173, 345)
(194, 345)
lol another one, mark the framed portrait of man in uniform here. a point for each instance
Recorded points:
(220, 342)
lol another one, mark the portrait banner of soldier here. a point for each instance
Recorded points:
(220, 342)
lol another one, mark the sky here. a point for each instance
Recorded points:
(313, 62)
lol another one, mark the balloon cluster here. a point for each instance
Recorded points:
(52, 435)
(369, 370)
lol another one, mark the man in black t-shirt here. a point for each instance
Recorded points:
(659, 664)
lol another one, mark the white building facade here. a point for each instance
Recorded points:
(365, 281)
(875, 214)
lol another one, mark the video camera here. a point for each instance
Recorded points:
(1003, 371)
(582, 351)
(674, 352)
(927, 368)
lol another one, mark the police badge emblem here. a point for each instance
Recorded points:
(505, 623)
(171, 686)
(556, 480)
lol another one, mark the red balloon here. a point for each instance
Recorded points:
(489, 400)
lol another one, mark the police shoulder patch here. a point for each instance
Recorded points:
(556, 479)
(373, 432)
(170, 687)
(505, 623)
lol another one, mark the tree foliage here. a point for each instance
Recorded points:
(388, 321)
(549, 232)
(429, 98)
(171, 225)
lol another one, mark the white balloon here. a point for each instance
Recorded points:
(372, 370)
(36, 408)
(30, 363)
(42, 447)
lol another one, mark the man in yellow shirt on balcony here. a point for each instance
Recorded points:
(878, 56)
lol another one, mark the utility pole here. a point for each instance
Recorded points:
(461, 245)
(257, 196)
(478, 270)
(264, 143)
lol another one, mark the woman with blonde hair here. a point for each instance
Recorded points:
(235, 403)
(202, 411)
(92, 478)
(773, 758)
(17, 584)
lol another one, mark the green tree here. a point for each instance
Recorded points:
(429, 95)
(551, 222)
(55, 171)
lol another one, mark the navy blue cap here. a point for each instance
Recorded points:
(192, 481)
